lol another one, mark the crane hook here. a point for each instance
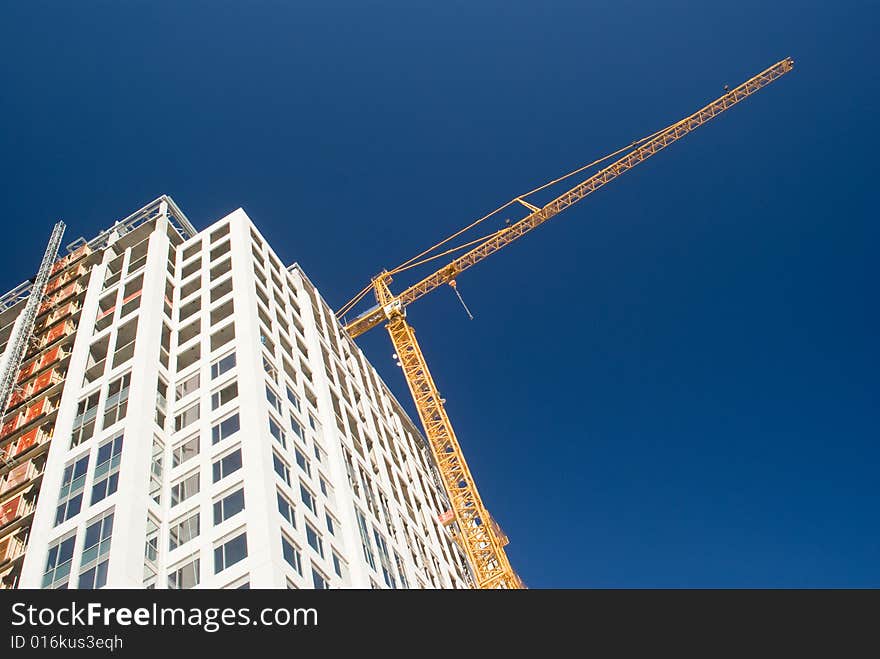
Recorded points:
(460, 299)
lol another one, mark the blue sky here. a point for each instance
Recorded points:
(673, 384)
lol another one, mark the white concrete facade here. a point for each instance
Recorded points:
(289, 466)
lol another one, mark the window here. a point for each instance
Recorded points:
(320, 454)
(222, 365)
(187, 417)
(400, 570)
(189, 448)
(308, 498)
(281, 468)
(269, 368)
(387, 572)
(338, 566)
(183, 530)
(276, 432)
(58, 563)
(185, 575)
(303, 462)
(84, 422)
(107, 469)
(151, 553)
(72, 486)
(332, 524)
(185, 488)
(156, 470)
(227, 427)
(224, 395)
(230, 552)
(117, 400)
(226, 465)
(228, 506)
(286, 509)
(314, 540)
(188, 386)
(319, 580)
(161, 402)
(273, 399)
(291, 554)
(93, 567)
(326, 488)
(365, 538)
(293, 398)
(297, 428)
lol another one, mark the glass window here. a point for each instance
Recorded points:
(285, 507)
(189, 448)
(72, 485)
(185, 575)
(314, 540)
(57, 572)
(84, 422)
(297, 428)
(291, 554)
(225, 428)
(187, 417)
(303, 462)
(230, 552)
(184, 488)
(117, 400)
(338, 565)
(293, 398)
(308, 498)
(183, 530)
(107, 469)
(228, 506)
(273, 399)
(331, 523)
(281, 468)
(226, 465)
(93, 567)
(319, 580)
(188, 386)
(222, 365)
(365, 538)
(276, 432)
(224, 395)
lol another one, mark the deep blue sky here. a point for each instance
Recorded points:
(673, 384)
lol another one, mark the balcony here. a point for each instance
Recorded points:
(73, 257)
(9, 577)
(39, 409)
(25, 372)
(56, 332)
(11, 547)
(19, 396)
(58, 314)
(45, 380)
(52, 356)
(16, 509)
(18, 476)
(61, 296)
(34, 437)
(65, 278)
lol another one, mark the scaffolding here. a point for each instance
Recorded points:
(24, 324)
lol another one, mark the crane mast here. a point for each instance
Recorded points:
(476, 532)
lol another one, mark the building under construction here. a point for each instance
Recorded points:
(182, 410)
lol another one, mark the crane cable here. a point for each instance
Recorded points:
(417, 260)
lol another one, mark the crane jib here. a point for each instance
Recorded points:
(469, 522)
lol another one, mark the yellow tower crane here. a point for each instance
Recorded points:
(476, 532)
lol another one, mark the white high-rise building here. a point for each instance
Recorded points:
(190, 414)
